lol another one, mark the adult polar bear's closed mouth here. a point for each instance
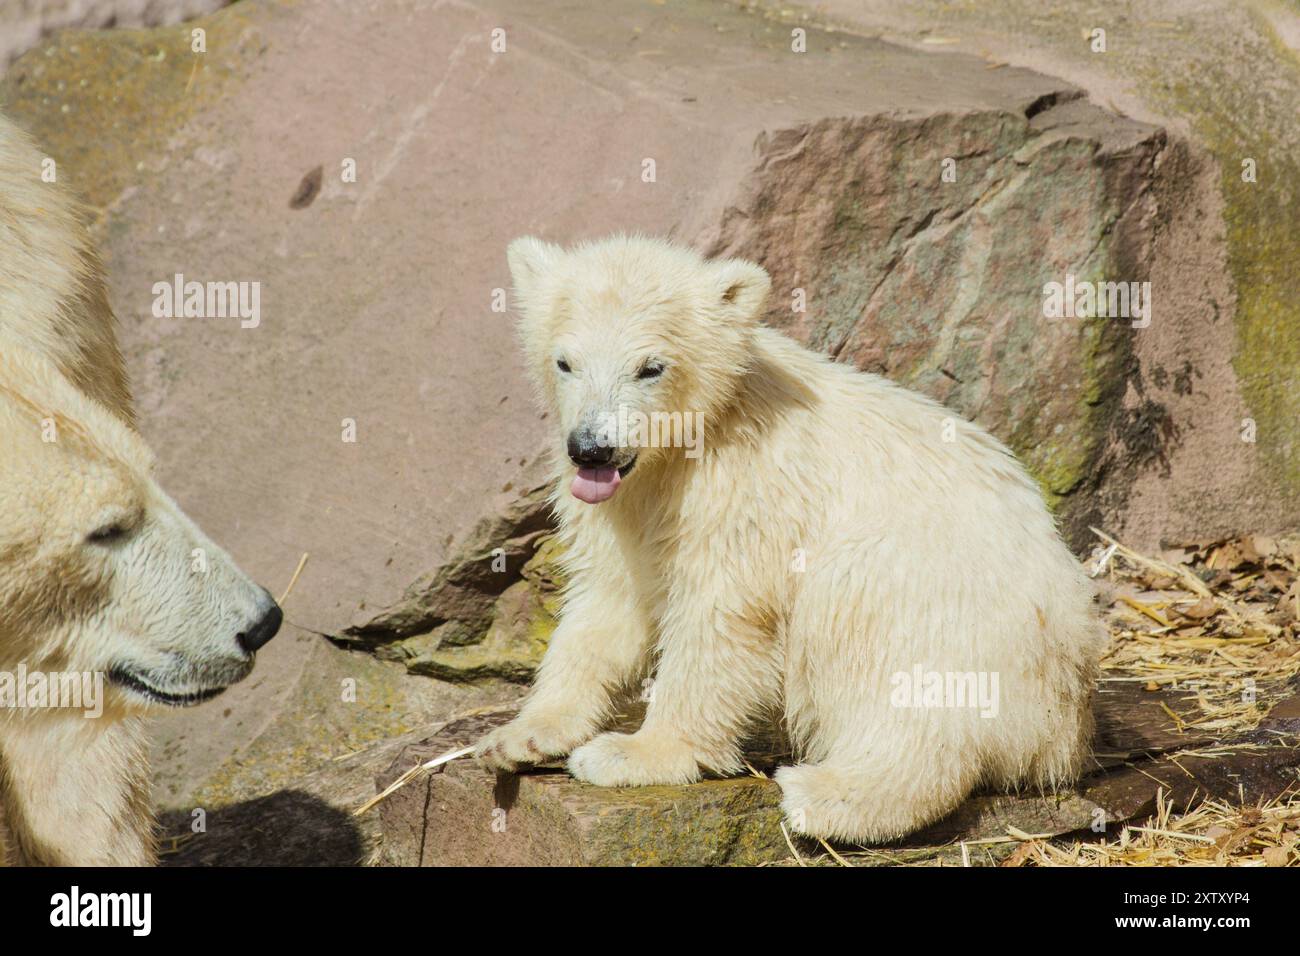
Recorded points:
(100, 572)
(836, 536)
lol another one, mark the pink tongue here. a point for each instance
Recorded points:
(594, 485)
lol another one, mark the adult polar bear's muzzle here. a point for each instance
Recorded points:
(184, 682)
(181, 621)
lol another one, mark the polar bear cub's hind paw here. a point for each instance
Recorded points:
(827, 802)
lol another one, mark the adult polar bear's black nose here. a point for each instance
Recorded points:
(586, 450)
(265, 629)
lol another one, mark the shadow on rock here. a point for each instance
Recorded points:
(289, 828)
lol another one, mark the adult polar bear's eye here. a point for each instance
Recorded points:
(651, 369)
(108, 534)
(115, 528)
(563, 366)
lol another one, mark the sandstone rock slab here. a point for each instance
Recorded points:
(466, 815)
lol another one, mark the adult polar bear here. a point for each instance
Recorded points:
(924, 546)
(100, 572)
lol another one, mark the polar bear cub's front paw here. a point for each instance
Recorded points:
(531, 739)
(634, 760)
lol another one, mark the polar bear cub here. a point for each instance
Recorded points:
(830, 545)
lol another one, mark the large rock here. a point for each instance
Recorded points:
(938, 284)
(464, 815)
(1213, 393)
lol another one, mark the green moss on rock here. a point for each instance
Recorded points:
(523, 619)
(106, 104)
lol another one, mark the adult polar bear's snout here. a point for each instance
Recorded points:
(100, 570)
(205, 618)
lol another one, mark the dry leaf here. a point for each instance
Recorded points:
(1020, 855)
(1223, 558)
(1276, 856)
(1202, 609)
(1246, 549)
(1232, 842)
(1277, 580)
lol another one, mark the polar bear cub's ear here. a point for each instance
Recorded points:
(531, 261)
(740, 288)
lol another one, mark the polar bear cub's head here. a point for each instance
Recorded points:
(99, 570)
(634, 344)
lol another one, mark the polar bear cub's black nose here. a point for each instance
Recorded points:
(586, 450)
(261, 632)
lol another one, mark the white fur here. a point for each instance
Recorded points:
(919, 551)
(75, 790)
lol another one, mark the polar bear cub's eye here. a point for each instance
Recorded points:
(563, 366)
(651, 369)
